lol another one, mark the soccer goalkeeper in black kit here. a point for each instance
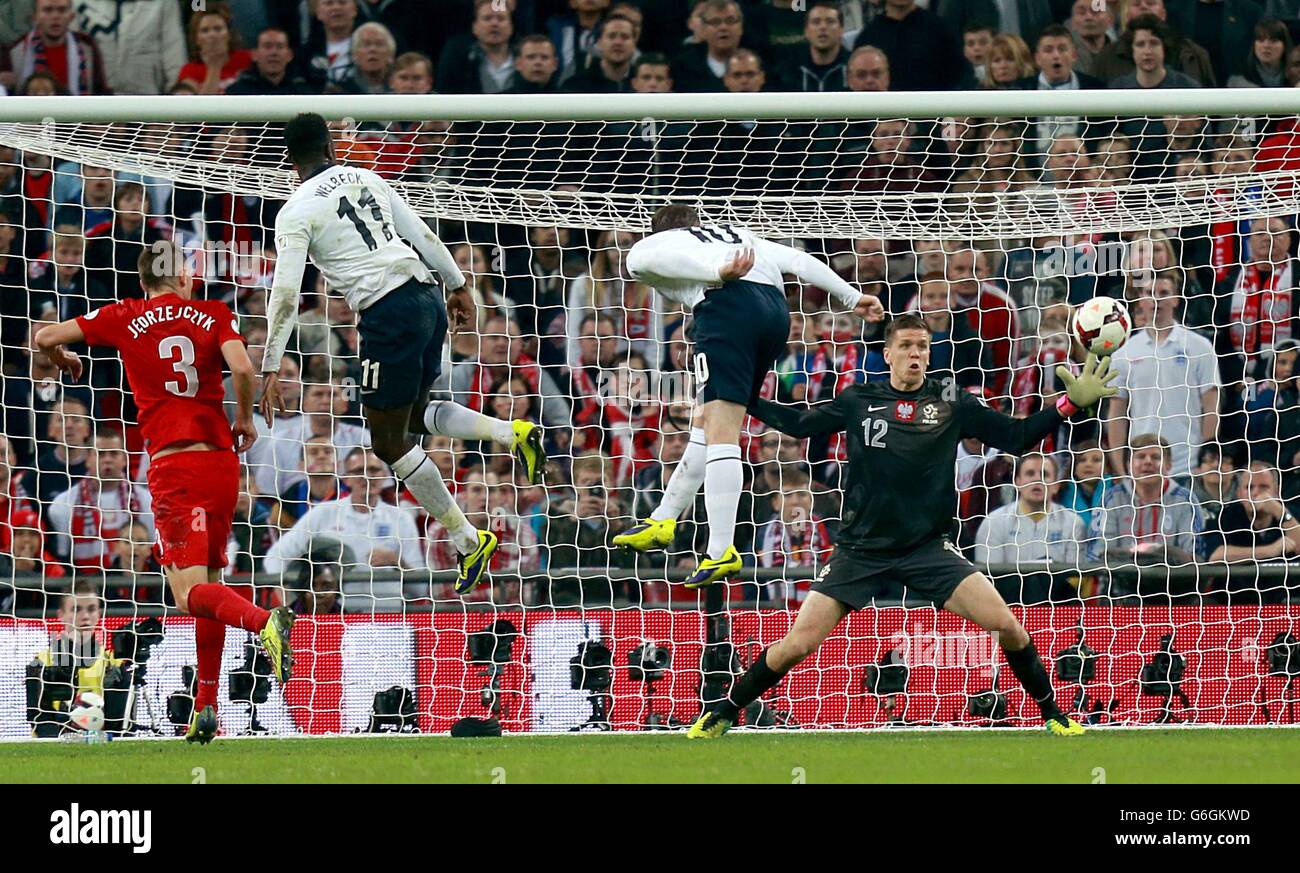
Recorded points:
(900, 496)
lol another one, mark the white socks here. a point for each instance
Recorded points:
(423, 480)
(444, 418)
(685, 481)
(723, 480)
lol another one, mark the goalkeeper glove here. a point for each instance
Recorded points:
(1089, 388)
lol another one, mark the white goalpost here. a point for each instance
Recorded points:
(991, 213)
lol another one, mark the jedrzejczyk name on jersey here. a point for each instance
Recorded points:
(682, 263)
(354, 227)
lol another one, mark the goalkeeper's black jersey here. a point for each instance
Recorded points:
(901, 487)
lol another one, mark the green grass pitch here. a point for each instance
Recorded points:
(1115, 756)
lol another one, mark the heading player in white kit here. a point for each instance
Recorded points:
(733, 282)
(355, 228)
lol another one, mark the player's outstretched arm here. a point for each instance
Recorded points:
(814, 272)
(241, 375)
(53, 341)
(825, 418)
(1019, 435)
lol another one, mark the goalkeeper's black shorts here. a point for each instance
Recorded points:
(932, 570)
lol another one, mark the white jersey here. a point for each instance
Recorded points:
(682, 263)
(354, 227)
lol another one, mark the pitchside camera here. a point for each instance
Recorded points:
(251, 682)
(990, 704)
(592, 669)
(1162, 676)
(135, 643)
(648, 662)
(887, 676)
(1077, 663)
(494, 643)
(1284, 655)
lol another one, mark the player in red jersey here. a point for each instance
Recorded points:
(173, 349)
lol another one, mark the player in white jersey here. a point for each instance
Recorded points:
(355, 229)
(733, 282)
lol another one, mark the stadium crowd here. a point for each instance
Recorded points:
(1196, 460)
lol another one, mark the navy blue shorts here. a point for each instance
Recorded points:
(402, 337)
(740, 330)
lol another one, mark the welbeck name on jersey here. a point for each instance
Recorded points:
(163, 314)
(329, 186)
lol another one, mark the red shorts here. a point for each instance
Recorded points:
(194, 495)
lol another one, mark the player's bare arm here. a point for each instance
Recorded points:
(242, 375)
(53, 341)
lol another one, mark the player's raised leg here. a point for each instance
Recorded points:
(724, 479)
(658, 530)
(445, 418)
(977, 600)
(818, 616)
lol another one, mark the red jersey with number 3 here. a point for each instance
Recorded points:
(171, 349)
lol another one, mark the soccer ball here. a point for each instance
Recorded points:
(1101, 325)
(87, 712)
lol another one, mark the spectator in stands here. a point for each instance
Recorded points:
(652, 74)
(538, 290)
(71, 57)
(98, 509)
(649, 481)
(701, 67)
(277, 442)
(481, 62)
(1034, 529)
(15, 18)
(609, 71)
(372, 531)
(1054, 55)
(1168, 384)
(1257, 526)
(575, 34)
(329, 50)
(373, 51)
(63, 285)
(143, 44)
(14, 496)
(489, 501)
(1147, 517)
(133, 554)
(577, 536)
(320, 483)
(868, 70)
(1091, 27)
(1088, 483)
(215, 58)
(500, 354)
(535, 67)
(271, 71)
(1223, 27)
(30, 396)
(1150, 39)
(89, 204)
(319, 582)
(955, 350)
(1256, 302)
(1023, 18)
(988, 310)
(30, 556)
(1010, 62)
(794, 535)
(258, 521)
(1184, 55)
(1273, 408)
(820, 63)
(113, 247)
(924, 52)
(1214, 482)
(1265, 66)
(976, 40)
(412, 74)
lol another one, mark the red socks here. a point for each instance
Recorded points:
(209, 639)
(215, 601)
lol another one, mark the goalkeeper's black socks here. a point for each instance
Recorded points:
(1029, 669)
(748, 688)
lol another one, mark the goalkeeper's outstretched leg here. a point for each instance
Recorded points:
(975, 599)
(818, 616)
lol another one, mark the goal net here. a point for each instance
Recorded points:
(1146, 550)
